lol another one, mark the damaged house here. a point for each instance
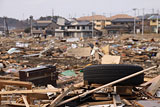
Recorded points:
(44, 27)
(76, 29)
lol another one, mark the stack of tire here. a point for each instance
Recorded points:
(106, 73)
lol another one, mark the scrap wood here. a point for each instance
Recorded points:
(106, 50)
(127, 102)
(152, 89)
(106, 85)
(25, 101)
(116, 100)
(20, 105)
(136, 103)
(150, 82)
(99, 103)
(18, 83)
(30, 91)
(60, 97)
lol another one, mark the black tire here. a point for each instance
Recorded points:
(106, 73)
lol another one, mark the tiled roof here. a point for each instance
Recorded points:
(95, 17)
(124, 20)
(121, 16)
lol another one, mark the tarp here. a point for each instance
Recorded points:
(69, 73)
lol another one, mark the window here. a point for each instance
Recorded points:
(154, 20)
(62, 28)
(83, 27)
(78, 27)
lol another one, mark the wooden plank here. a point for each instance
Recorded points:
(20, 105)
(25, 101)
(60, 97)
(116, 100)
(100, 103)
(17, 83)
(138, 104)
(127, 102)
(106, 85)
(150, 82)
(153, 87)
(30, 91)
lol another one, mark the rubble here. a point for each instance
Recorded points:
(70, 56)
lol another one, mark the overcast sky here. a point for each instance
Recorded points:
(22, 9)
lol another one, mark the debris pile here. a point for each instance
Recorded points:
(50, 72)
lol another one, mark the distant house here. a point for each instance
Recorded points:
(147, 27)
(154, 23)
(100, 21)
(46, 27)
(76, 29)
(122, 24)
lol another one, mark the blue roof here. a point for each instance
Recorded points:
(154, 17)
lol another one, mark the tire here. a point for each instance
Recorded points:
(106, 73)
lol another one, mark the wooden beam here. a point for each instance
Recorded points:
(17, 83)
(25, 101)
(114, 101)
(127, 102)
(106, 85)
(60, 97)
(100, 103)
(20, 105)
(30, 91)
(152, 89)
(150, 82)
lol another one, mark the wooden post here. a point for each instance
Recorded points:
(106, 85)
(60, 97)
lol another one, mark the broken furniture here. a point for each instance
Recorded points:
(40, 76)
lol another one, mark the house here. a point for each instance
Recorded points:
(147, 27)
(76, 29)
(121, 23)
(100, 21)
(155, 23)
(46, 27)
(121, 16)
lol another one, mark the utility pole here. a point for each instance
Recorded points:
(153, 11)
(134, 20)
(31, 20)
(4, 25)
(52, 14)
(143, 23)
(6, 30)
(157, 21)
(92, 24)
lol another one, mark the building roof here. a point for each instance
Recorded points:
(81, 23)
(154, 17)
(116, 27)
(95, 17)
(124, 20)
(146, 16)
(41, 23)
(120, 16)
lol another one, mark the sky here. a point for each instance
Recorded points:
(22, 9)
